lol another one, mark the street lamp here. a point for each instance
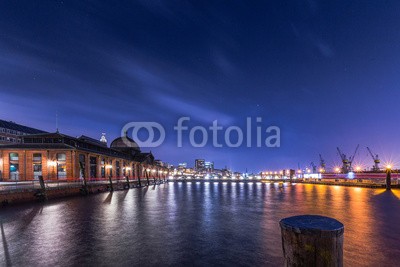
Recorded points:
(108, 167)
(388, 177)
(57, 168)
(53, 163)
(147, 176)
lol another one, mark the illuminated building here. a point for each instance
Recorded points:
(56, 156)
(209, 166)
(199, 164)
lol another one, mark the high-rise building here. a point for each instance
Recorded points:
(199, 164)
(209, 166)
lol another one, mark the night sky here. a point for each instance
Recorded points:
(325, 72)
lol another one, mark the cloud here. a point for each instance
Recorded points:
(309, 38)
(222, 62)
(324, 49)
(186, 107)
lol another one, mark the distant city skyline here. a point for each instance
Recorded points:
(327, 77)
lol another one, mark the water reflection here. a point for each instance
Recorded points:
(196, 223)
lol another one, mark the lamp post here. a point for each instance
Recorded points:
(159, 175)
(109, 177)
(147, 176)
(136, 172)
(57, 169)
(154, 176)
(127, 174)
(388, 177)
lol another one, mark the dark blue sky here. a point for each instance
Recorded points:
(325, 72)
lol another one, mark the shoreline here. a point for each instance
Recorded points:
(346, 184)
(21, 196)
(29, 195)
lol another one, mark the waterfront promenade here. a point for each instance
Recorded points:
(31, 191)
(74, 183)
(27, 191)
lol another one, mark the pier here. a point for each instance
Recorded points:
(31, 191)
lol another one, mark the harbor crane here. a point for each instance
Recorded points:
(347, 162)
(376, 160)
(322, 163)
(314, 168)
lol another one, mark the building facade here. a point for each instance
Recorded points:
(199, 164)
(11, 132)
(60, 157)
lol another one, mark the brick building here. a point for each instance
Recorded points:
(56, 156)
(11, 132)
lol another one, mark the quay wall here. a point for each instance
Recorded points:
(28, 195)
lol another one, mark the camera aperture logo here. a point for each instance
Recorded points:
(200, 136)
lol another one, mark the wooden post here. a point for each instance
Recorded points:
(127, 181)
(388, 179)
(147, 176)
(111, 184)
(41, 194)
(312, 240)
(84, 190)
(138, 172)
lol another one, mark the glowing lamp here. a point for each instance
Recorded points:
(51, 163)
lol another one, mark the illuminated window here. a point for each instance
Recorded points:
(103, 168)
(37, 165)
(117, 169)
(14, 166)
(93, 167)
(82, 165)
(61, 165)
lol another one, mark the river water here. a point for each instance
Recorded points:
(196, 223)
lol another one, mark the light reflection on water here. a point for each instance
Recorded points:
(197, 223)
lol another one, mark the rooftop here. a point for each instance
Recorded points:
(18, 127)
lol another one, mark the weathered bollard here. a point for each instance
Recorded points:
(312, 240)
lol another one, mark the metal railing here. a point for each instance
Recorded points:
(32, 185)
